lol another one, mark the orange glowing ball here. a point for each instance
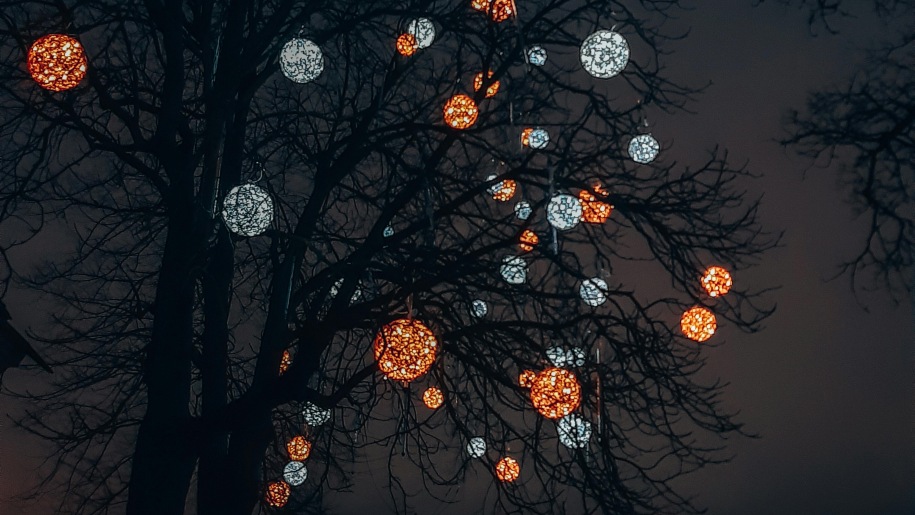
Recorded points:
(717, 281)
(277, 494)
(405, 349)
(528, 240)
(285, 362)
(698, 324)
(594, 211)
(498, 10)
(433, 397)
(460, 111)
(505, 190)
(299, 448)
(507, 469)
(526, 379)
(555, 393)
(57, 62)
(526, 136)
(478, 83)
(407, 44)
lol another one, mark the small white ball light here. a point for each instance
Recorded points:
(643, 148)
(295, 473)
(514, 269)
(604, 54)
(301, 60)
(539, 138)
(575, 357)
(523, 210)
(478, 308)
(593, 291)
(423, 30)
(564, 212)
(574, 431)
(314, 415)
(536, 55)
(247, 210)
(476, 448)
(557, 356)
(388, 232)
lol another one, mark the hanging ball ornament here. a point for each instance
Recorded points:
(423, 30)
(476, 447)
(405, 349)
(528, 240)
(406, 44)
(523, 210)
(594, 211)
(507, 469)
(604, 54)
(247, 210)
(388, 232)
(498, 10)
(478, 83)
(574, 431)
(698, 324)
(555, 393)
(717, 281)
(504, 190)
(460, 111)
(315, 415)
(643, 148)
(433, 397)
(478, 308)
(526, 378)
(536, 55)
(563, 212)
(295, 473)
(301, 60)
(57, 62)
(299, 448)
(514, 269)
(277, 494)
(557, 356)
(593, 291)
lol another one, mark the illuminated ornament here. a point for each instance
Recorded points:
(57, 62)
(526, 379)
(405, 349)
(594, 211)
(535, 138)
(388, 232)
(526, 136)
(315, 415)
(498, 10)
(593, 291)
(301, 60)
(478, 308)
(460, 111)
(604, 54)
(643, 148)
(557, 356)
(277, 494)
(285, 362)
(433, 397)
(476, 447)
(503, 190)
(560, 357)
(523, 210)
(507, 469)
(406, 44)
(299, 448)
(514, 269)
(563, 212)
(574, 431)
(247, 210)
(698, 324)
(555, 393)
(528, 240)
(295, 473)
(423, 30)
(536, 55)
(717, 281)
(575, 357)
(478, 83)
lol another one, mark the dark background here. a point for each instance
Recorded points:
(829, 385)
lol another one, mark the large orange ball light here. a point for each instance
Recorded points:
(594, 211)
(698, 324)
(717, 281)
(407, 44)
(57, 62)
(460, 111)
(504, 190)
(299, 448)
(507, 469)
(498, 10)
(405, 349)
(555, 393)
(433, 397)
(478, 83)
(277, 494)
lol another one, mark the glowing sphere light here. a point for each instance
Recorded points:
(423, 30)
(406, 44)
(523, 210)
(315, 415)
(247, 210)
(514, 269)
(295, 473)
(57, 62)
(643, 148)
(574, 431)
(528, 240)
(478, 308)
(476, 447)
(563, 212)
(594, 211)
(555, 393)
(405, 349)
(526, 378)
(433, 397)
(536, 55)
(460, 112)
(698, 324)
(717, 281)
(301, 60)
(508, 469)
(593, 291)
(299, 448)
(604, 54)
(277, 494)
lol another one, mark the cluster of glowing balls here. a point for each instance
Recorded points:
(528, 240)
(574, 431)
(526, 378)
(717, 281)
(698, 324)
(593, 210)
(406, 44)
(535, 137)
(563, 212)
(285, 361)
(513, 269)
(561, 357)
(299, 448)
(508, 469)
(504, 190)
(247, 210)
(476, 447)
(604, 54)
(57, 62)
(405, 349)
(277, 494)
(478, 83)
(498, 10)
(315, 415)
(460, 112)
(536, 55)
(555, 393)
(593, 291)
(643, 148)
(295, 473)
(478, 308)
(433, 397)
(523, 210)
(423, 30)
(301, 60)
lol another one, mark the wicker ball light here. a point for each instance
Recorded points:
(593, 210)
(423, 30)
(247, 210)
(476, 447)
(717, 281)
(406, 44)
(604, 54)
(574, 431)
(295, 473)
(514, 269)
(526, 378)
(433, 397)
(536, 55)
(277, 493)
(299, 448)
(478, 83)
(564, 212)
(57, 62)
(460, 112)
(508, 469)
(405, 349)
(555, 393)
(498, 10)
(643, 148)
(301, 60)
(698, 324)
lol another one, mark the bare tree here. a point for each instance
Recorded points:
(170, 331)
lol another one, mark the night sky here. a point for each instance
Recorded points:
(829, 384)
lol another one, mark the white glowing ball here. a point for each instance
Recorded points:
(295, 473)
(388, 232)
(247, 210)
(423, 30)
(561, 357)
(514, 269)
(564, 212)
(301, 60)
(523, 210)
(539, 138)
(476, 448)
(604, 54)
(557, 356)
(574, 431)
(478, 308)
(593, 291)
(644, 148)
(314, 415)
(536, 55)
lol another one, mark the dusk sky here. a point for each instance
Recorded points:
(828, 384)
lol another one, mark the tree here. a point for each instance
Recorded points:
(187, 353)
